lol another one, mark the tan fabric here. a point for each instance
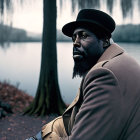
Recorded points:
(54, 130)
(52, 136)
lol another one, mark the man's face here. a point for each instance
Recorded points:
(87, 49)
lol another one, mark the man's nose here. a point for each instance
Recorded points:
(76, 43)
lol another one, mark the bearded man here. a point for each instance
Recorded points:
(107, 106)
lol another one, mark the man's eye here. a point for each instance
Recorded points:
(83, 36)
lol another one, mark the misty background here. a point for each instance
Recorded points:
(21, 37)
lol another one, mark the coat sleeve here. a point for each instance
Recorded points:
(99, 117)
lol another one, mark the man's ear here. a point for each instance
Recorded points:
(106, 42)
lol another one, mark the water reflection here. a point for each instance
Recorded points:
(4, 46)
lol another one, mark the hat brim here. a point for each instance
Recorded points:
(69, 28)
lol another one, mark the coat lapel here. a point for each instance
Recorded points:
(67, 114)
(74, 102)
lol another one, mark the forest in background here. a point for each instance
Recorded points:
(123, 33)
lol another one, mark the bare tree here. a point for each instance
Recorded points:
(48, 99)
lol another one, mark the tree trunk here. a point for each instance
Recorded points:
(48, 99)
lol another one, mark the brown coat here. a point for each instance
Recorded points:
(108, 104)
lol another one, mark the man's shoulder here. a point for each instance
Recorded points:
(111, 66)
(97, 70)
(99, 65)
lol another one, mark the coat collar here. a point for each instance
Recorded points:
(111, 52)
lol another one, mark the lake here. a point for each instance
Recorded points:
(20, 65)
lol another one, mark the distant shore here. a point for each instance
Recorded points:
(122, 33)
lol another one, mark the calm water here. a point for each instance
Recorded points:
(20, 64)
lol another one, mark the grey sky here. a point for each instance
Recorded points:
(29, 17)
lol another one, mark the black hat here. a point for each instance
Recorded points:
(95, 20)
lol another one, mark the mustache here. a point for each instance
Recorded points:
(78, 52)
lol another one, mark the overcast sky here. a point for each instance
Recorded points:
(29, 17)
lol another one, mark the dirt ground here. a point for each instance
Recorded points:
(15, 126)
(19, 127)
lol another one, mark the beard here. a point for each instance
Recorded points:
(81, 67)
(84, 60)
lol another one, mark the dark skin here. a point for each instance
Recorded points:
(87, 49)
